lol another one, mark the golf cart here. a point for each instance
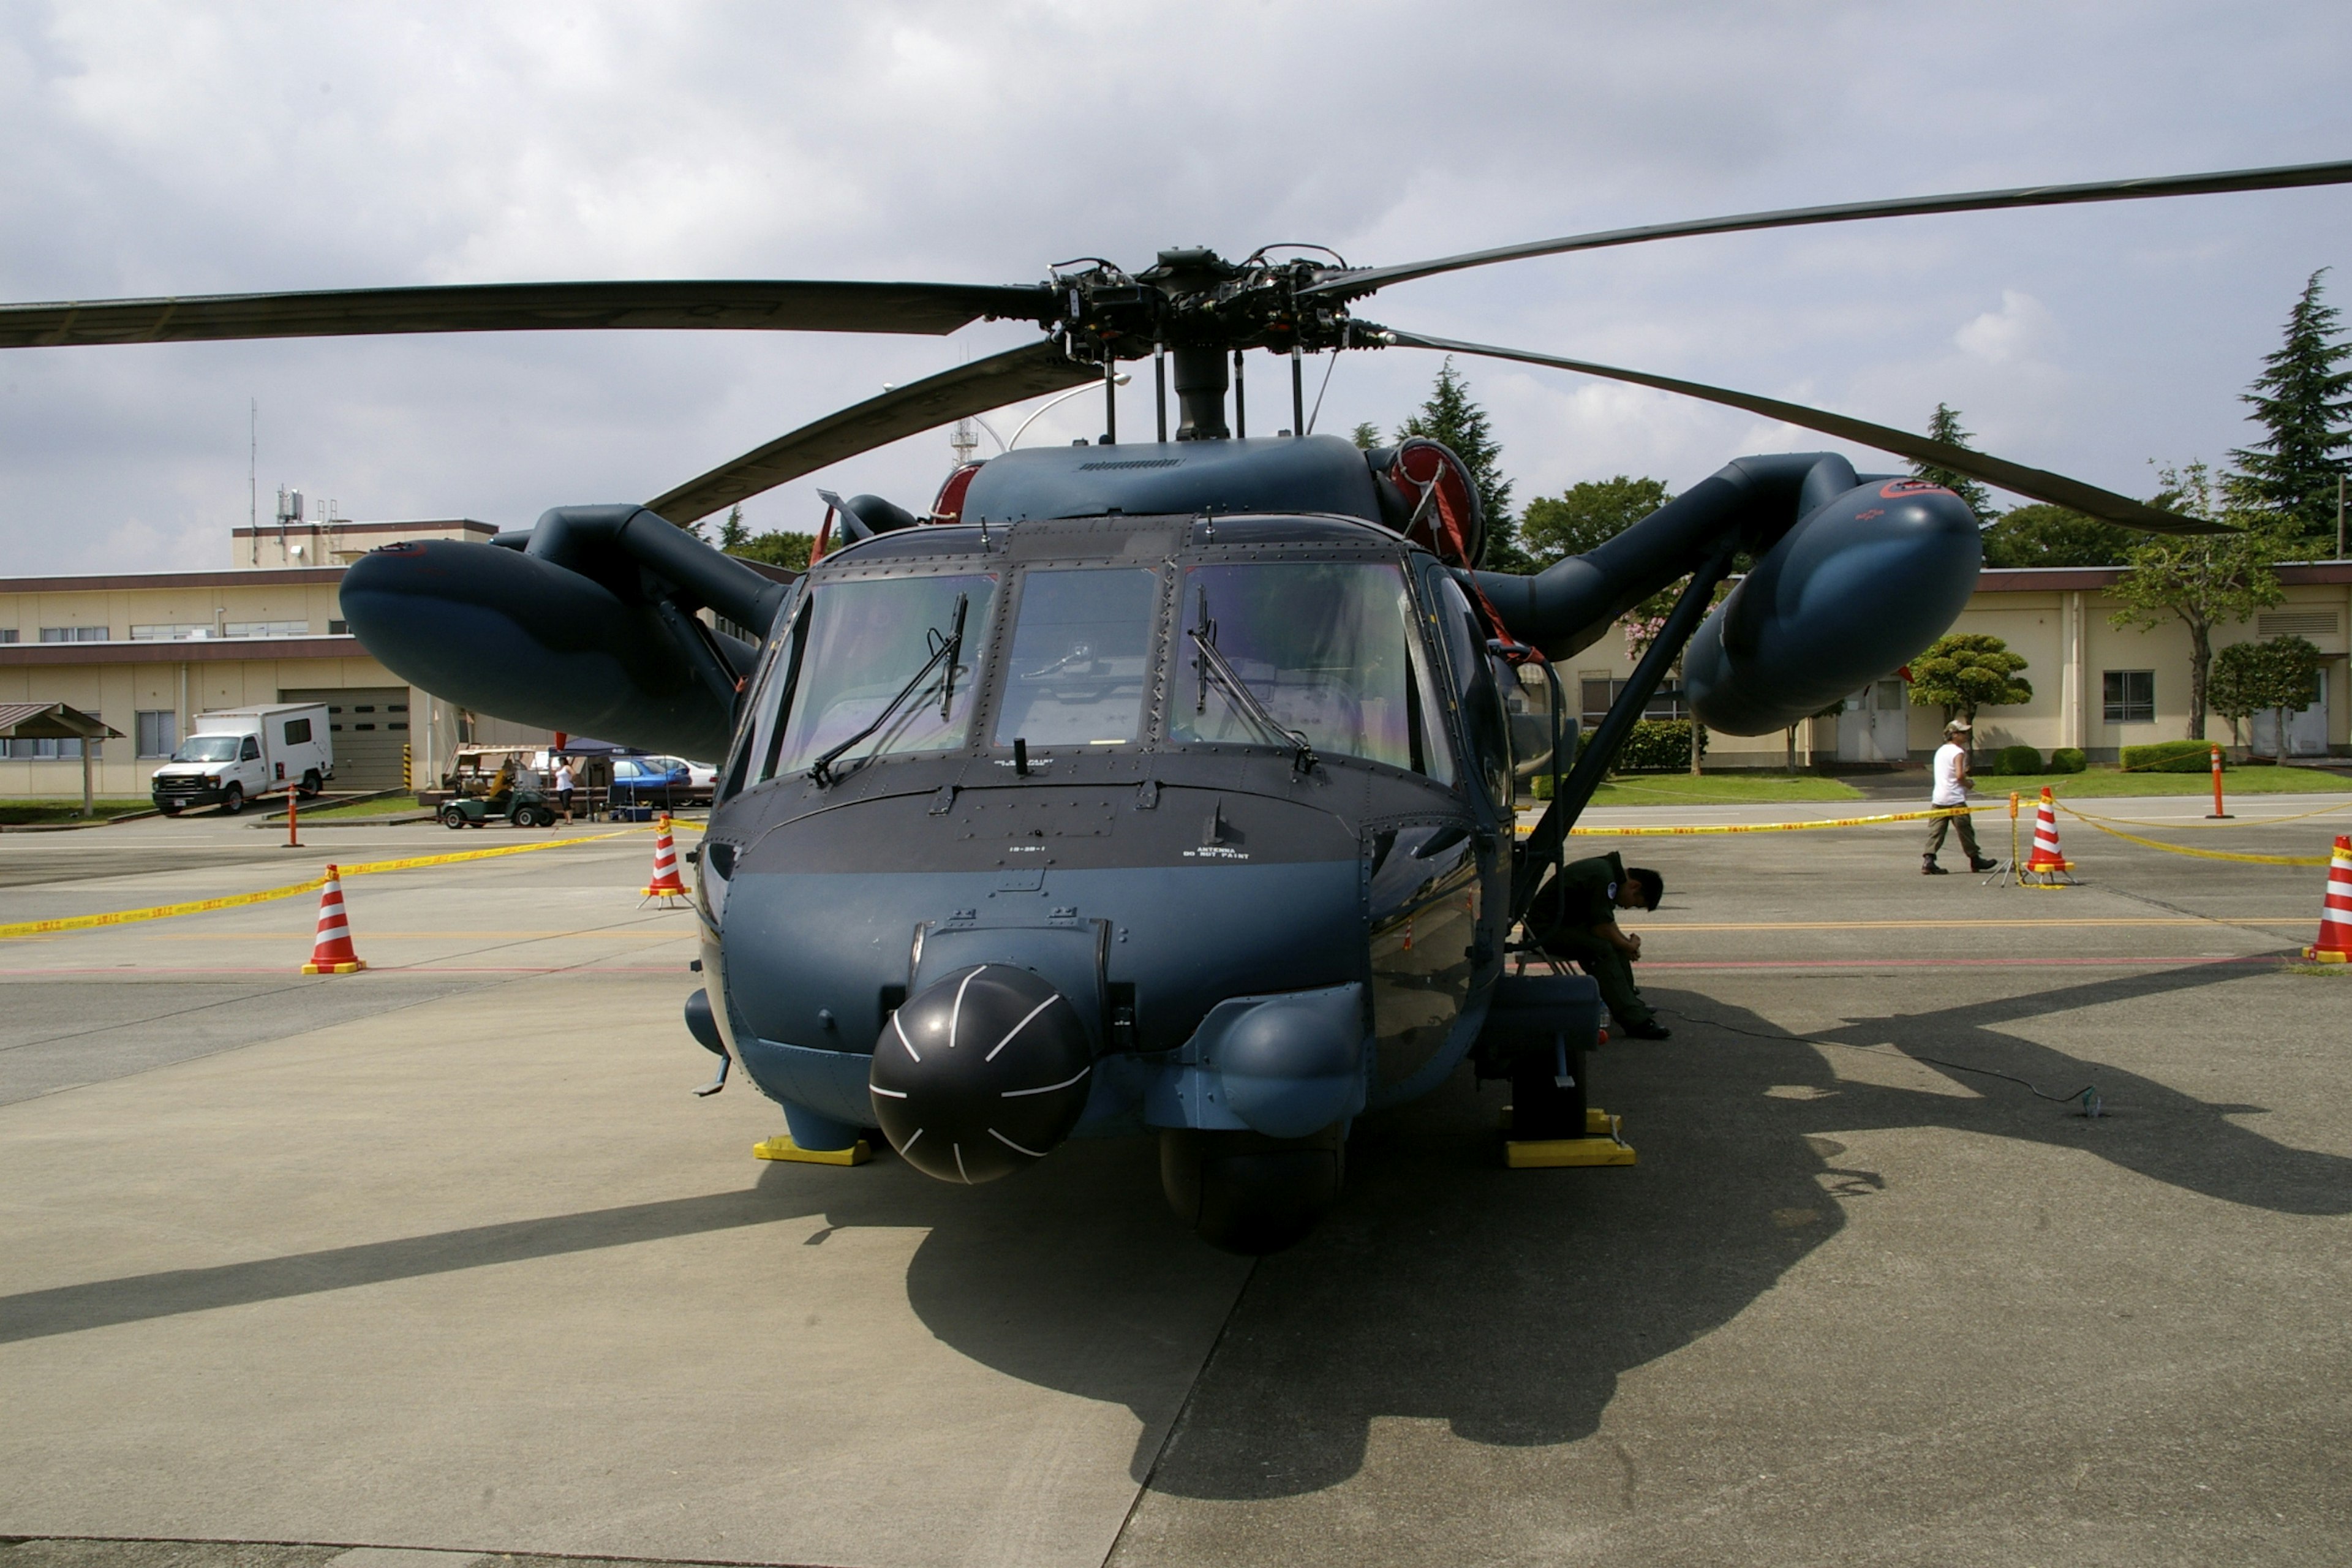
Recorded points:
(514, 792)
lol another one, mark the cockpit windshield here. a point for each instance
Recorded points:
(1081, 657)
(875, 653)
(1327, 648)
(1322, 658)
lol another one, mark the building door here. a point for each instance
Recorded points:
(1874, 726)
(2306, 728)
(369, 725)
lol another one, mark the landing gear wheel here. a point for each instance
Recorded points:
(452, 818)
(1246, 1193)
(232, 801)
(309, 788)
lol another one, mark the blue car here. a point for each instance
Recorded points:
(664, 782)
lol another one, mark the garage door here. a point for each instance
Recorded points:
(369, 724)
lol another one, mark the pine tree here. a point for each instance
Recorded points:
(1366, 436)
(1946, 427)
(2303, 401)
(732, 534)
(1453, 417)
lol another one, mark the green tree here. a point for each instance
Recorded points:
(2279, 674)
(1366, 436)
(1963, 671)
(1946, 427)
(1587, 514)
(732, 534)
(2302, 400)
(2202, 579)
(789, 550)
(1453, 417)
(2045, 535)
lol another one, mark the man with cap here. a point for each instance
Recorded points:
(1951, 768)
(1574, 916)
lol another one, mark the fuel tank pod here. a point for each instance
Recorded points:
(1858, 585)
(511, 635)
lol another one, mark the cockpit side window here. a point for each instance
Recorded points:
(1482, 698)
(849, 661)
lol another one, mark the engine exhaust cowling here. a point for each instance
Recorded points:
(1856, 587)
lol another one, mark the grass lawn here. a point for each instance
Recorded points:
(2107, 780)
(52, 808)
(1718, 789)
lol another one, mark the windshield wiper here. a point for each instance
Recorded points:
(948, 647)
(1212, 666)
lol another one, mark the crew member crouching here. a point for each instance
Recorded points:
(1574, 917)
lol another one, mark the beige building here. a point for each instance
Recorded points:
(2095, 686)
(148, 651)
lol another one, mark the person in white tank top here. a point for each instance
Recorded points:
(1951, 774)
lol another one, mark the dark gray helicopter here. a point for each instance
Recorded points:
(1160, 787)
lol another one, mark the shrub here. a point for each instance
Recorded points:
(2170, 757)
(2068, 760)
(1657, 744)
(1540, 787)
(2016, 760)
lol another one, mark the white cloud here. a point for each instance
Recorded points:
(2021, 329)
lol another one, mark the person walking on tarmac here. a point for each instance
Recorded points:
(1952, 789)
(1574, 916)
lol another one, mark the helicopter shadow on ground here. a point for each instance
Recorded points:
(1508, 1303)
(1444, 1287)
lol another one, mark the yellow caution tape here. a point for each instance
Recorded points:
(2345, 804)
(2199, 854)
(232, 900)
(1526, 828)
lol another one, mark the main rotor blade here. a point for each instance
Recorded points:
(755, 305)
(909, 410)
(2038, 483)
(1352, 285)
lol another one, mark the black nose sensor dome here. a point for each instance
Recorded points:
(980, 1074)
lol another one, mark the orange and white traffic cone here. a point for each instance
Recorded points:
(666, 884)
(2047, 860)
(330, 950)
(2334, 943)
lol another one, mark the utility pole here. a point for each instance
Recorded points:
(253, 486)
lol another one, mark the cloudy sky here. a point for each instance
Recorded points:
(184, 148)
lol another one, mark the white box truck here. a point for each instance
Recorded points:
(241, 753)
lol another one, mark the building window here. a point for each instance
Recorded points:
(339, 628)
(2130, 696)
(171, 631)
(73, 634)
(159, 732)
(266, 629)
(7, 634)
(1666, 702)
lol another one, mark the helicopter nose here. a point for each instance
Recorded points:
(980, 1074)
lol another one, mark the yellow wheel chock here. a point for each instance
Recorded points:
(781, 1147)
(1601, 1145)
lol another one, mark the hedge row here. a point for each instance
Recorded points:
(2015, 761)
(2170, 757)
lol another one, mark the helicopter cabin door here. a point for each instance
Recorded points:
(1874, 726)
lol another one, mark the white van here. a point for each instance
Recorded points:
(240, 753)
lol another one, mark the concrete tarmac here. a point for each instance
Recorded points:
(444, 1256)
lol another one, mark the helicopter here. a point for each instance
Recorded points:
(1161, 788)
